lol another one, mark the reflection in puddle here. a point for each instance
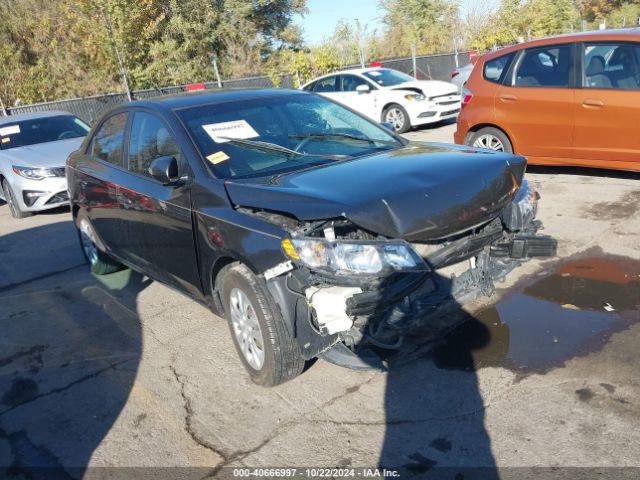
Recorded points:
(571, 312)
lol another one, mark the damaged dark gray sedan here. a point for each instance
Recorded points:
(313, 230)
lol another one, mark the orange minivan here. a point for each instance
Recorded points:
(567, 100)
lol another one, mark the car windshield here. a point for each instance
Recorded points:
(388, 78)
(271, 135)
(41, 130)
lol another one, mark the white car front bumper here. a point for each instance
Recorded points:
(38, 195)
(434, 110)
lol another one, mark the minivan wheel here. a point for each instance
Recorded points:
(398, 117)
(14, 207)
(265, 345)
(100, 262)
(491, 139)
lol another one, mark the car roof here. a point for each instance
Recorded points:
(194, 99)
(30, 116)
(621, 34)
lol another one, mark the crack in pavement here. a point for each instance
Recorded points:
(112, 366)
(240, 455)
(188, 415)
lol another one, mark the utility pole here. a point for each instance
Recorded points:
(455, 51)
(123, 71)
(214, 60)
(360, 34)
(413, 60)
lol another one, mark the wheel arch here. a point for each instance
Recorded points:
(480, 126)
(387, 105)
(214, 277)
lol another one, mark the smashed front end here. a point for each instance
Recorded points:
(348, 289)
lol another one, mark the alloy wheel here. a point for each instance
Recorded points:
(395, 117)
(246, 328)
(87, 243)
(490, 142)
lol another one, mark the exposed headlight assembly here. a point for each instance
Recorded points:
(33, 173)
(522, 209)
(353, 257)
(415, 96)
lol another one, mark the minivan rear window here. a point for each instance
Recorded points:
(494, 70)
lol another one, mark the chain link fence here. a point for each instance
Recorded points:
(89, 109)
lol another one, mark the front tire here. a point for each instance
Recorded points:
(99, 262)
(265, 345)
(397, 116)
(491, 139)
(12, 201)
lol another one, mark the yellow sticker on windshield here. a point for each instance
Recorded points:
(218, 157)
(6, 140)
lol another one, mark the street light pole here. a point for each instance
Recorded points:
(214, 60)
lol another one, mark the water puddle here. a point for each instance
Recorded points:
(572, 311)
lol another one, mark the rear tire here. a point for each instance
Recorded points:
(265, 345)
(12, 201)
(490, 138)
(397, 116)
(99, 262)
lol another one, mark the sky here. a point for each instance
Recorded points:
(324, 15)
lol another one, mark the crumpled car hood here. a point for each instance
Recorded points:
(420, 192)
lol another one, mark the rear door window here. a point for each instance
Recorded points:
(548, 66)
(496, 69)
(611, 66)
(326, 85)
(108, 141)
(149, 139)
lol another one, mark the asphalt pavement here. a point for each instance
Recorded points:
(123, 372)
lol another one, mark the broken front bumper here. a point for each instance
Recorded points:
(382, 313)
(344, 317)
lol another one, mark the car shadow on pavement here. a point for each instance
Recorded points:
(70, 349)
(433, 405)
(583, 171)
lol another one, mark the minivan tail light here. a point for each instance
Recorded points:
(466, 96)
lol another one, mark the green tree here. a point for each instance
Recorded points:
(62, 48)
(429, 24)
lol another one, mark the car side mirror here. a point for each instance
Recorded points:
(388, 126)
(363, 88)
(165, 170)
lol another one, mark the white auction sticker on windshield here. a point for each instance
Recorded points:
(10, 130)
(240, 129)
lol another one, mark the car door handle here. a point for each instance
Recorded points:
(508, 98)
(589, 102)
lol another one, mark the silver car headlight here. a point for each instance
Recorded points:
(33, 173)
(415, 96)
(353, 257)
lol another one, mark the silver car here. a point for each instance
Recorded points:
(33, 150)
